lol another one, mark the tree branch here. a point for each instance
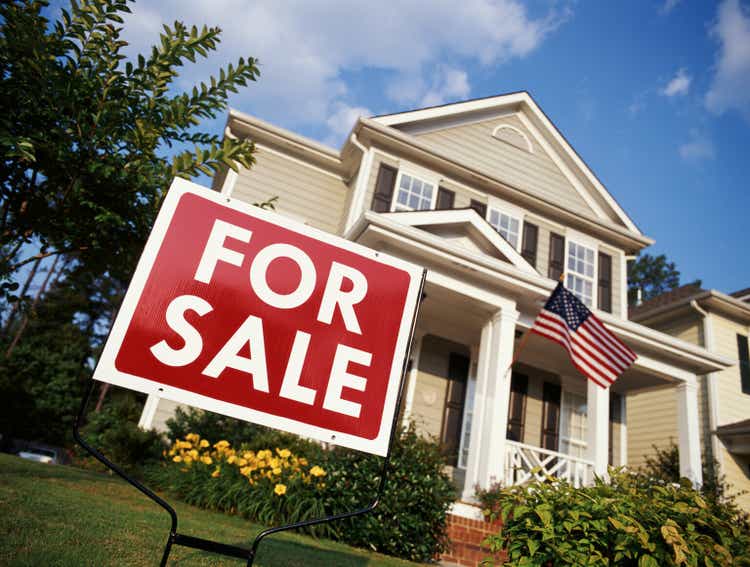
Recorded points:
(41, 256)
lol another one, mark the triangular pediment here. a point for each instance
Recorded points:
(465, 229)
(509, 138)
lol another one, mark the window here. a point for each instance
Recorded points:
(528, 243)
(509, 227)
(556, 256)
(604, 290)
(414, 194)
(381, 199)
(445, 199)
(580, 274)
(573, 425)
(744, 357)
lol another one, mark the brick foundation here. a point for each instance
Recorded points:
(466, 537)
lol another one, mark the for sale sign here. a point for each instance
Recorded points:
(240, 311)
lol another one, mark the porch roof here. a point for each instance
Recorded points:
(492, 281)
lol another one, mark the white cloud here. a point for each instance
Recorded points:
(698, 149)
(668, 6)
(679, 85)
(730, 88)
(341, 121)
(448, 84)
(309, 50)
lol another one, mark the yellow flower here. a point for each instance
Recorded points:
(193, 453)
(206, 460)
(222, 444)
(284, 453)
(188, 459)
(203, 444)
(245, 471)
(241, 462)
(248, 455)
(280, 489)
(277, 470)
(231, 459)
(216, 472)
(303, 461)
(317, 471)
(177, 459)
(194, 437)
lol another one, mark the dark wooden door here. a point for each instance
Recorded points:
(455, 398)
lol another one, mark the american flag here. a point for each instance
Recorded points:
(593, 349)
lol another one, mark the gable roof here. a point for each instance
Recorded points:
(557, 144)
(683, 296)
(468, 219)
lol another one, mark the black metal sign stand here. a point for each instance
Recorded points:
(184, 540)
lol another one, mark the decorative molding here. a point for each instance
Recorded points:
(526, 141)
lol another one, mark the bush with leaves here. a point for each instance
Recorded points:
(409, 522)
(632, 520)
(114, 431)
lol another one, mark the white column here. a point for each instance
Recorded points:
(490, 420)
(623, 430)
(597, 405)
(687, 426)
(411, 384)
(149, 411)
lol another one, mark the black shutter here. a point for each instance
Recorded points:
(479, 207)
(615, 416)
(529, 242)
(445, 199)
(551, 416)
(519, 386)
(556, 256)
(604, 293)
(386, 182)
(742, 350)
(455, 397)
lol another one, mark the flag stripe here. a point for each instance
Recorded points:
(554, 337)
(593, 349)
(580, 355)
(596, 357)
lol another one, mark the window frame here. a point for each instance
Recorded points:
(512, 212)
(576, 239)
(426, 179)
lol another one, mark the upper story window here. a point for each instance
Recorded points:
(509, 227)
(414, 194)
(580, 272)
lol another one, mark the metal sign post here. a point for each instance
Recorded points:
(135, 358)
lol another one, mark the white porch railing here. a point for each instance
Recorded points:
(524, 463)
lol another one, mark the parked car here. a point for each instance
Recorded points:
(40, 455)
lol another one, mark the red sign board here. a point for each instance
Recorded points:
(243, 312)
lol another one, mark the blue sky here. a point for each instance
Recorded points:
(654, 95)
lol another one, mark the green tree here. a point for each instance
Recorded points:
(653, 275)
(89, 140)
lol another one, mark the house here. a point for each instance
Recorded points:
(721, 324)
(490, 197)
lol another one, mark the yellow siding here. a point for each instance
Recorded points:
(652, 420)
(737, 473)
(474, 145)
(305, 193)
(432, 383)
(734, 405)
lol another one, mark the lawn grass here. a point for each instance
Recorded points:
(59, 515)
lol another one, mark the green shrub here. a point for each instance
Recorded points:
(408, 523)
(631, 520)
(115, 432)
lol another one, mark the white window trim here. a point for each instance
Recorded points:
(580, 239)
(564, 408)
(424, 177)
(465, 438)
(513, 211)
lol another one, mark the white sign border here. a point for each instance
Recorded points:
(107, 372)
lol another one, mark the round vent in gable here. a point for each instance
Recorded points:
(513, 136)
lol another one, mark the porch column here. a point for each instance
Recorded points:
(485, 463)
(597, 405)
(687, 427)
(149, 411)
